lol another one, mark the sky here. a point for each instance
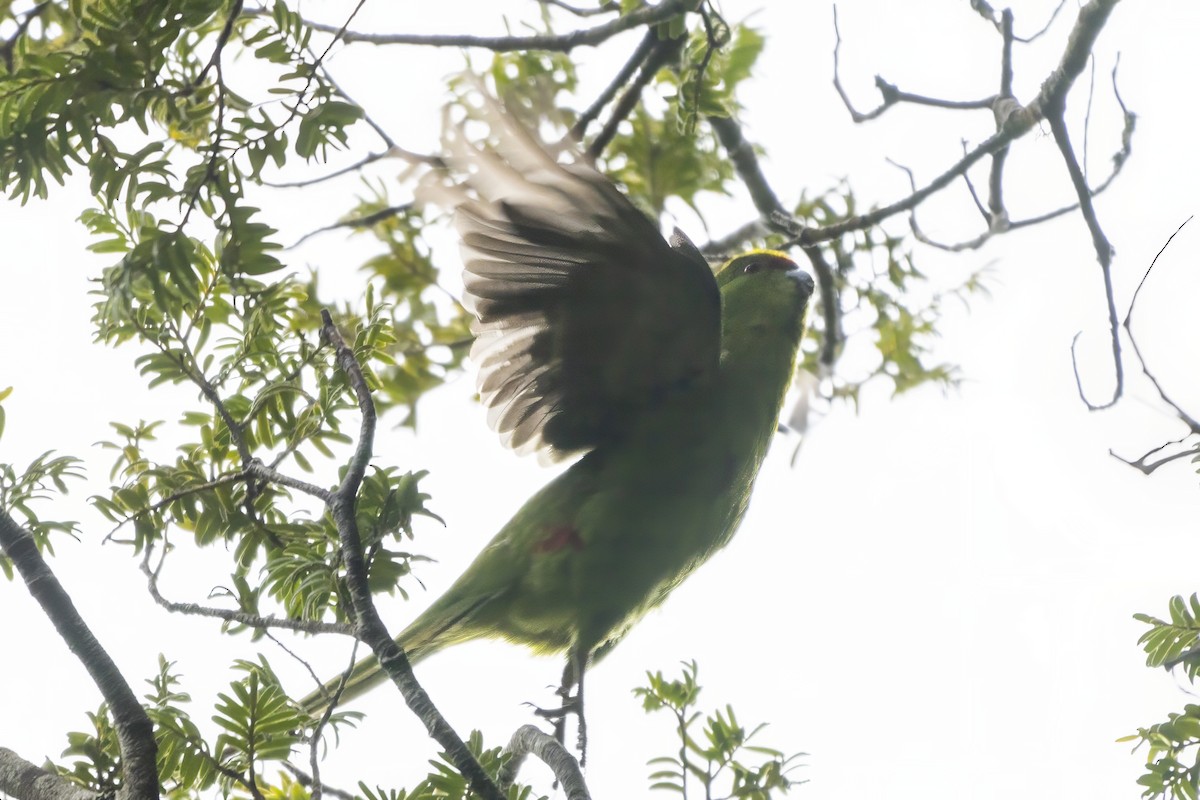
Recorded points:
(935, 601)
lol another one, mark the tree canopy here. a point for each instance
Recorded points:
(221, 141)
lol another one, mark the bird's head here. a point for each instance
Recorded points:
(764, 290)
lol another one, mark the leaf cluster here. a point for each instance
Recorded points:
(21, 490)
(1172, 747)
(713, 748)
(878, 285)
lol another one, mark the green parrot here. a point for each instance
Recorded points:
(596, 335)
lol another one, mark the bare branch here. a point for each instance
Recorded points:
(1104, 254)
(214, 60)
(562, 43)
(1015, 127)
(662, 52)
(528, 740)
(357, 223)
(733, 241)
(355, 167)
(375, 126)
(891, 94)
(25, 781)
(643, 51)
(1146, 467)
(1013, 121)
(229, 615)
(135, 732)
(1053, 16)
(997, 214)
(1187, 419)
(984, 10)
(1055, 88)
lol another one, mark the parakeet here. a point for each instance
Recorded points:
(595, 334)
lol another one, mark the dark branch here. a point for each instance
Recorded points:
(1053, 16)
(1187, 419)
(661, 53)
(369, 626)
(643, 51)
(355, 167)
(357, 223)
(1146, 467)
(135, 732)
(732, 242)
(773, 213)
(890, 92)
(997, 214)
(25, 781)
(1104, 254)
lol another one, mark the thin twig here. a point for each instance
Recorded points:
(1187, 419)
(1104, 254)
(337, 173)
(357, 223)
(733, 241)
(1146, 467)
(230, 615)
(1053, 16)
(890, 92)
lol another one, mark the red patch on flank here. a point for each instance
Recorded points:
(559, 538)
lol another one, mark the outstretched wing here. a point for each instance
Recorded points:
(585, 315)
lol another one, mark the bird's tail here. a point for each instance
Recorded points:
(438, 627)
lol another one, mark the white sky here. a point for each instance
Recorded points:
(935, 602)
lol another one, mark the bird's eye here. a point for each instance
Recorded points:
(753, 266)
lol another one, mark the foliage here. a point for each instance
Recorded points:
(19, 490)
(444, 781)
(1173, 747)
(716, 756)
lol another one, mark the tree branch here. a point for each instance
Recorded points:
(369, 626)
(643, 51)
(227, 614)
(528, 740)
(890, 92)
(659, 55)
(774, 215)
(135, 732)
(1187, 419)
(25, 781)
(562, 43)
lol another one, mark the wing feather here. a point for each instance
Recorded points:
(585, 314)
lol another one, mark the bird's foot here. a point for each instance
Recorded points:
(571, 704)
